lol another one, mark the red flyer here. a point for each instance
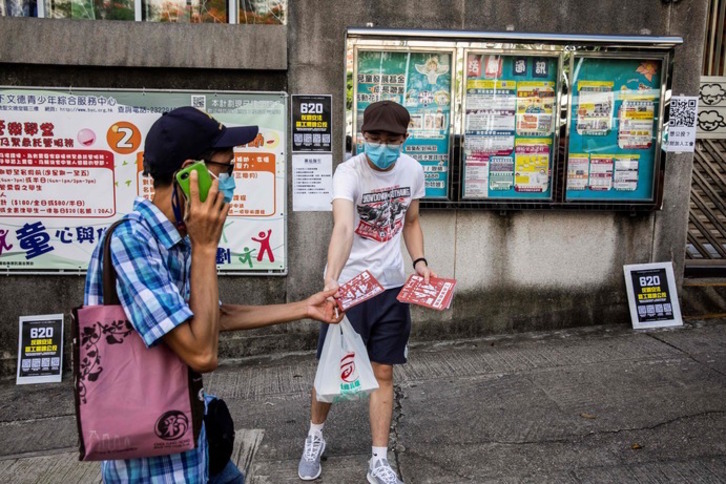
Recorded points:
(361, 288)
(438, 294)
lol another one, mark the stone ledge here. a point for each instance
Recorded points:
(142, 44)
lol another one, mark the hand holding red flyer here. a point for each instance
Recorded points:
(438, 294)
(360, 288)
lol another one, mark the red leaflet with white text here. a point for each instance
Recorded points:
(361, 288)
(435, 295)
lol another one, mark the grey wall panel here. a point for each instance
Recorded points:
(520, 271)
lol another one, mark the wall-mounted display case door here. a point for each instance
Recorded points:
(420, 80)
(510, 107)
(520, 121)
(615, 127)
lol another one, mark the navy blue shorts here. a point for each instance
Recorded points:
(384, 323)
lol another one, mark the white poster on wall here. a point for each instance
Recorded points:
(712, 108)
(312, 182)
(682, 124)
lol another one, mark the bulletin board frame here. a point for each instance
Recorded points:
(653, 198)
(565, 48)
(357, 109)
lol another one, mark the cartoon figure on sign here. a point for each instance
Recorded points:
(712, 94)
(3, 243)
(648, 69)
(246, 257)
(264, 241)
(86, 137)
(432, 69)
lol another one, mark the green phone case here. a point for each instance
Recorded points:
(204, 179)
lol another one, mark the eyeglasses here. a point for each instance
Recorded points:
(378, 140)
(229, 167)
(376, 144)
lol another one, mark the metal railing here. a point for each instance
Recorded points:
(706, 237)
(707, 210)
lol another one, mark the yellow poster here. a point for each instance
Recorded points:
(535, 103)
(531, 165)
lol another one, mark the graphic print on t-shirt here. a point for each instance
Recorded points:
(381, 213)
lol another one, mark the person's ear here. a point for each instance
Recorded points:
(187, 163)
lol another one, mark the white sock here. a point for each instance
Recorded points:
(316, 428)
(380, 453)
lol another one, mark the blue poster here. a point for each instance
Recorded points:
(422, 83)
(510, 117)
(613, 128)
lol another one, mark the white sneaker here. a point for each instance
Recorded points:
(309, 467)
(380, 472)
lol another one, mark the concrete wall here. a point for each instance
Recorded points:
(523, 270)
(520, 271)
(154, 56)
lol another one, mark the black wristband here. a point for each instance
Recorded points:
(419, 260)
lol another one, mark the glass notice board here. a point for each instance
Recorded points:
(615, 116)
(515, 122)
(509, 126)
(422, 82)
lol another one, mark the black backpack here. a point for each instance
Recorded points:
(220, 435)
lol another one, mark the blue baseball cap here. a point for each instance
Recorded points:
(187, 133)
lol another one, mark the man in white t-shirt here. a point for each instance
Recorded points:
(375, 201)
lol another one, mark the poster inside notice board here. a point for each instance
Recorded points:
(420, 81)
(510, 119)
(614, 120)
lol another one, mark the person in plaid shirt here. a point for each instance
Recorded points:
(164, 254)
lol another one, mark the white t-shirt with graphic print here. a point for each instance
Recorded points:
(381, 199)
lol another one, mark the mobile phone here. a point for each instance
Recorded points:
(204, 179)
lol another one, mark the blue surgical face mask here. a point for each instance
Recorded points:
(226, 185)
(383, 155)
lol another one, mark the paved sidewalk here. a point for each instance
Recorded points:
(602, 404)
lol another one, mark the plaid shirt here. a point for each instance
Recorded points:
(152, 265)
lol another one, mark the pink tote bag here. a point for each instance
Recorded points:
(131, 401)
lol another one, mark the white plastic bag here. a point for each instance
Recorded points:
(344, 370)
